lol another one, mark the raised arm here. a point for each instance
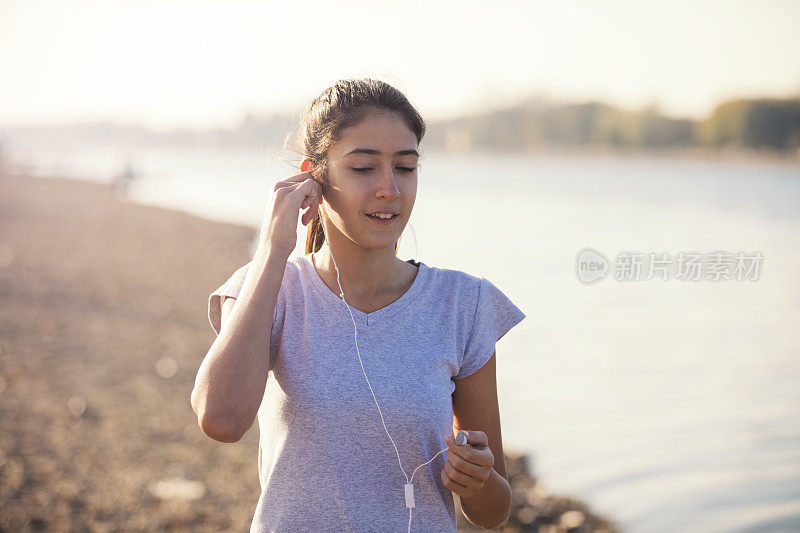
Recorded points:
(230, 383)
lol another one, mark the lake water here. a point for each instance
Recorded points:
(667, 405)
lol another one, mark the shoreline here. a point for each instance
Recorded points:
(102, 328)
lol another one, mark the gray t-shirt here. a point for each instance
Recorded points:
(325, 462)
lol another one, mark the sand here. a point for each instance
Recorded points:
(103, 326)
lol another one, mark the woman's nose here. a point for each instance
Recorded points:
(387, 187)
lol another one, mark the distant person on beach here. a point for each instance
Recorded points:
(359, 366)
(123, 180)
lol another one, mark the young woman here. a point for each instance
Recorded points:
(358, 365)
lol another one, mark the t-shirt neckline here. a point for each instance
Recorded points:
(374, 318)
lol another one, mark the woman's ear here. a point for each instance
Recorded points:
(308, 166)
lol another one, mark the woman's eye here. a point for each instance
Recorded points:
(367, 169)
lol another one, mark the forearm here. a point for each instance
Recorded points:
(231, 379)
(491, 506)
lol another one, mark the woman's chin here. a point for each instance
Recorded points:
(380, 241)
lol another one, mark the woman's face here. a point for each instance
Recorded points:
(372, 168)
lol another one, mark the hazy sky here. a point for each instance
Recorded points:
(196, 63)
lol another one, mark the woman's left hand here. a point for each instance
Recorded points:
(469, 466)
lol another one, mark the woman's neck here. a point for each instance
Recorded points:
(363, 274)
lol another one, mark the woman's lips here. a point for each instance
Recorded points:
(382, 221)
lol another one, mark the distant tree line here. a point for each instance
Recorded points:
(744, 123)
(763, 123)
(751, 123)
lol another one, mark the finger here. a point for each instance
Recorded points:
(311, 213)
(313, 205)
(474, 468)
(460, 477)
(302, 176)
(453, 485)
(455, 449)
(306, 218)
(467, 474)
(320, 185)
(464, 451)
(293, 180)
(308, 176)
(476, 438)
(308, 187)
(478, 456)
(303, 191)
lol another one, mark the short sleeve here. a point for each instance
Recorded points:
(494, 316)
(231, 288)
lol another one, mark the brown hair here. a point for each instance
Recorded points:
(340, 106)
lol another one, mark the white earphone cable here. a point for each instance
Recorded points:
(409, 503)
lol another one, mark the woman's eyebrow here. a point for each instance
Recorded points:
(377, 152)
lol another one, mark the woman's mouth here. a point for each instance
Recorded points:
(382, 221)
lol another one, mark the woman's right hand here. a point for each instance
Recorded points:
(279, 228)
